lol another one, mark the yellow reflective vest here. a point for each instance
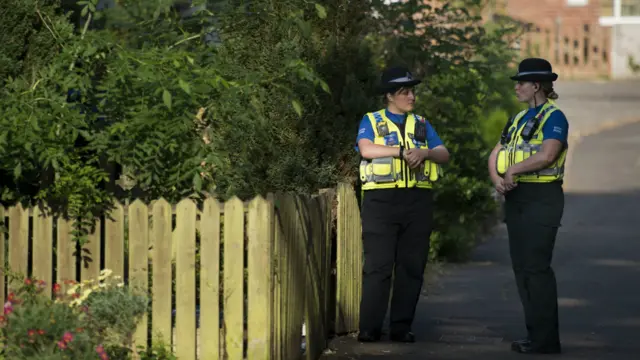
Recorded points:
(393, 172)
(519, 143)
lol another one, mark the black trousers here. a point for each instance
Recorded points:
(533, 215)
(396, 226)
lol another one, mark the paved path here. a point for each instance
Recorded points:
(472, 311)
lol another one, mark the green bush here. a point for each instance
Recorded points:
(94, 319)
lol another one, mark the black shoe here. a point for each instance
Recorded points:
(369, 336)
(406, 337)
(528, 347)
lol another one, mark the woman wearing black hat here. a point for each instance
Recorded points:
(527, 167)
(401, 153)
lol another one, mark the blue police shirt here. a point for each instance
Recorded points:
(556, 126)
(366, 130)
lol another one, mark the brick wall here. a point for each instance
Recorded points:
(544, 12)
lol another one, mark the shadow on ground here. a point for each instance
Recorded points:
(473, 310)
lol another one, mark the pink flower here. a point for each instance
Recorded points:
(67, 337)
(62, 345)
(27, 281)
(101, 352)
(8, 308)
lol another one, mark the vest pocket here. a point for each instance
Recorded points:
(434, 171)
(502, 161)
(383, 170)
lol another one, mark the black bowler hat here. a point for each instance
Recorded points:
(535, 69)
(396, 77)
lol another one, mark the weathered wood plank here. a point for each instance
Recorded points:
(161, 274)
(185, 236)
(210, 279)
(234, 277)
(90, 268)
(18, 239)
(259, 279)
(43, 248)
(114, 240)
(65, 248)
(139, 259)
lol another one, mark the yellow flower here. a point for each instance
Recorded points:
(73, 289)
(105, 274)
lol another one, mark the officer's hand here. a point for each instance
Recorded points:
(498, 182)
(509, 183)
(413, 157)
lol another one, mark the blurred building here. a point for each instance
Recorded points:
(584, 38)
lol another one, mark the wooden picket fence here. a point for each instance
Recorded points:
(266, 269)
(574, 51)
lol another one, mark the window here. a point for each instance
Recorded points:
(613, 12)
(606, 7)
(630, 8)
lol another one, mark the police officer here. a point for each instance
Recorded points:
(527, 166)
(401, 153)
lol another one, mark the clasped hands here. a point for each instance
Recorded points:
(506, 183)
(415, 157)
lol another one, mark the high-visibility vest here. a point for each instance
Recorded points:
(393, 172)
(520, 143)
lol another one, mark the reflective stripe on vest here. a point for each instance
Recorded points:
(393, 172)
(518, 149)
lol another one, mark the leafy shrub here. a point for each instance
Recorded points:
(95, 318)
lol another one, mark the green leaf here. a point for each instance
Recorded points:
(184, 86)
(325, 87)
(166, 98)
(297, 107)
(322, 12)
(197, 181)
(17, 171)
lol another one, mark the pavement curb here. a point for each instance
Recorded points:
(576, 138)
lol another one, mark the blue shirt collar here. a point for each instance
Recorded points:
(396, 118)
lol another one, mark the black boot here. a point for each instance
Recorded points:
(369, 336)
(527, 347)
(516, 344)
(406, 337)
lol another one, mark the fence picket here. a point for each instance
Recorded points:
(210, 279)
(90, 254)
(161, 232)
(18, 240)
(43, 253)
(139, 259)
(185, 239)
(259, 279)
(114, 240)
(233, 284)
